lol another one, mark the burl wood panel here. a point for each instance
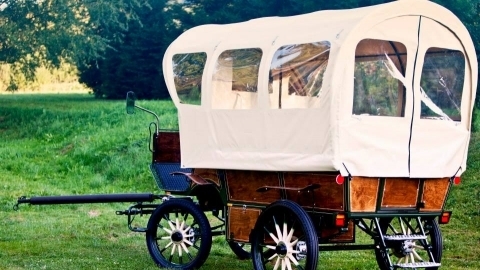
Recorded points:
(334, 235)
(434, 193)
(167, 147)
(328, 196)
(241, 222)
(363, 194)
(210, 175)
(242, 186)
(400, 192)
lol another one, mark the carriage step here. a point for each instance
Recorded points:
(417, 265)
(402, 237)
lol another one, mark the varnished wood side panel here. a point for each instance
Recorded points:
(363, 194)
(210, 175)
(242, 186)
(334, 235)
(167, 147)
(328, 196)
(240, 223)
(400, 192)
(434, 193)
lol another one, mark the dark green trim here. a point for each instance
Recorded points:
(421, 187)
(393, 213)
(337, 247)
(448, 192)
(381, 187)
(346, 195)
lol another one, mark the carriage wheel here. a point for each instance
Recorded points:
(284, 238)
(407, 244)
(240, 250)
(178, 235)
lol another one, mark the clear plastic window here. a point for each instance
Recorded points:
(187, 72)
(296, 75)
(379, 71)
(235, 79)
(441, 84)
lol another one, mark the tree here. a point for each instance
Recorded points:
(133, 62)
(118, 45)
(47, 32)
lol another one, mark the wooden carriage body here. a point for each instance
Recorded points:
(245, 193)
(362, 113)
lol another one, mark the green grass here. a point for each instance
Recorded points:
(73, 144)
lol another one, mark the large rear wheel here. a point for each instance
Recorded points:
(284, 238)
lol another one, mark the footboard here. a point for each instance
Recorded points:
(166, 161)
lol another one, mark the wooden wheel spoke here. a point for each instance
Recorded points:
(285, 231)
(292, 259)
(412, 258)
(402, 225)
(271, 247)
(273, 257)
(288, 263)
(184, 248)
(173, 250)
(419, 247)
(277, 228)
(414, 252)
(277, 263)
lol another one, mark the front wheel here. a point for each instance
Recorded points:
(410, 242)
(178, 235)
(284, 238)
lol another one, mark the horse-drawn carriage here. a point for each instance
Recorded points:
(298, 131)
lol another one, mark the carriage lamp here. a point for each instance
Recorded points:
(445, 217)
(340, 220)
(456, 180)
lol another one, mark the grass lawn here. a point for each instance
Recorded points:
(65, 144)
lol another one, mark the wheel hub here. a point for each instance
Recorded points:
(281, 249)
(403, 248)
(177, 237)
(407, 247)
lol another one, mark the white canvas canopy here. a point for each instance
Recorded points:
(384, 91)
